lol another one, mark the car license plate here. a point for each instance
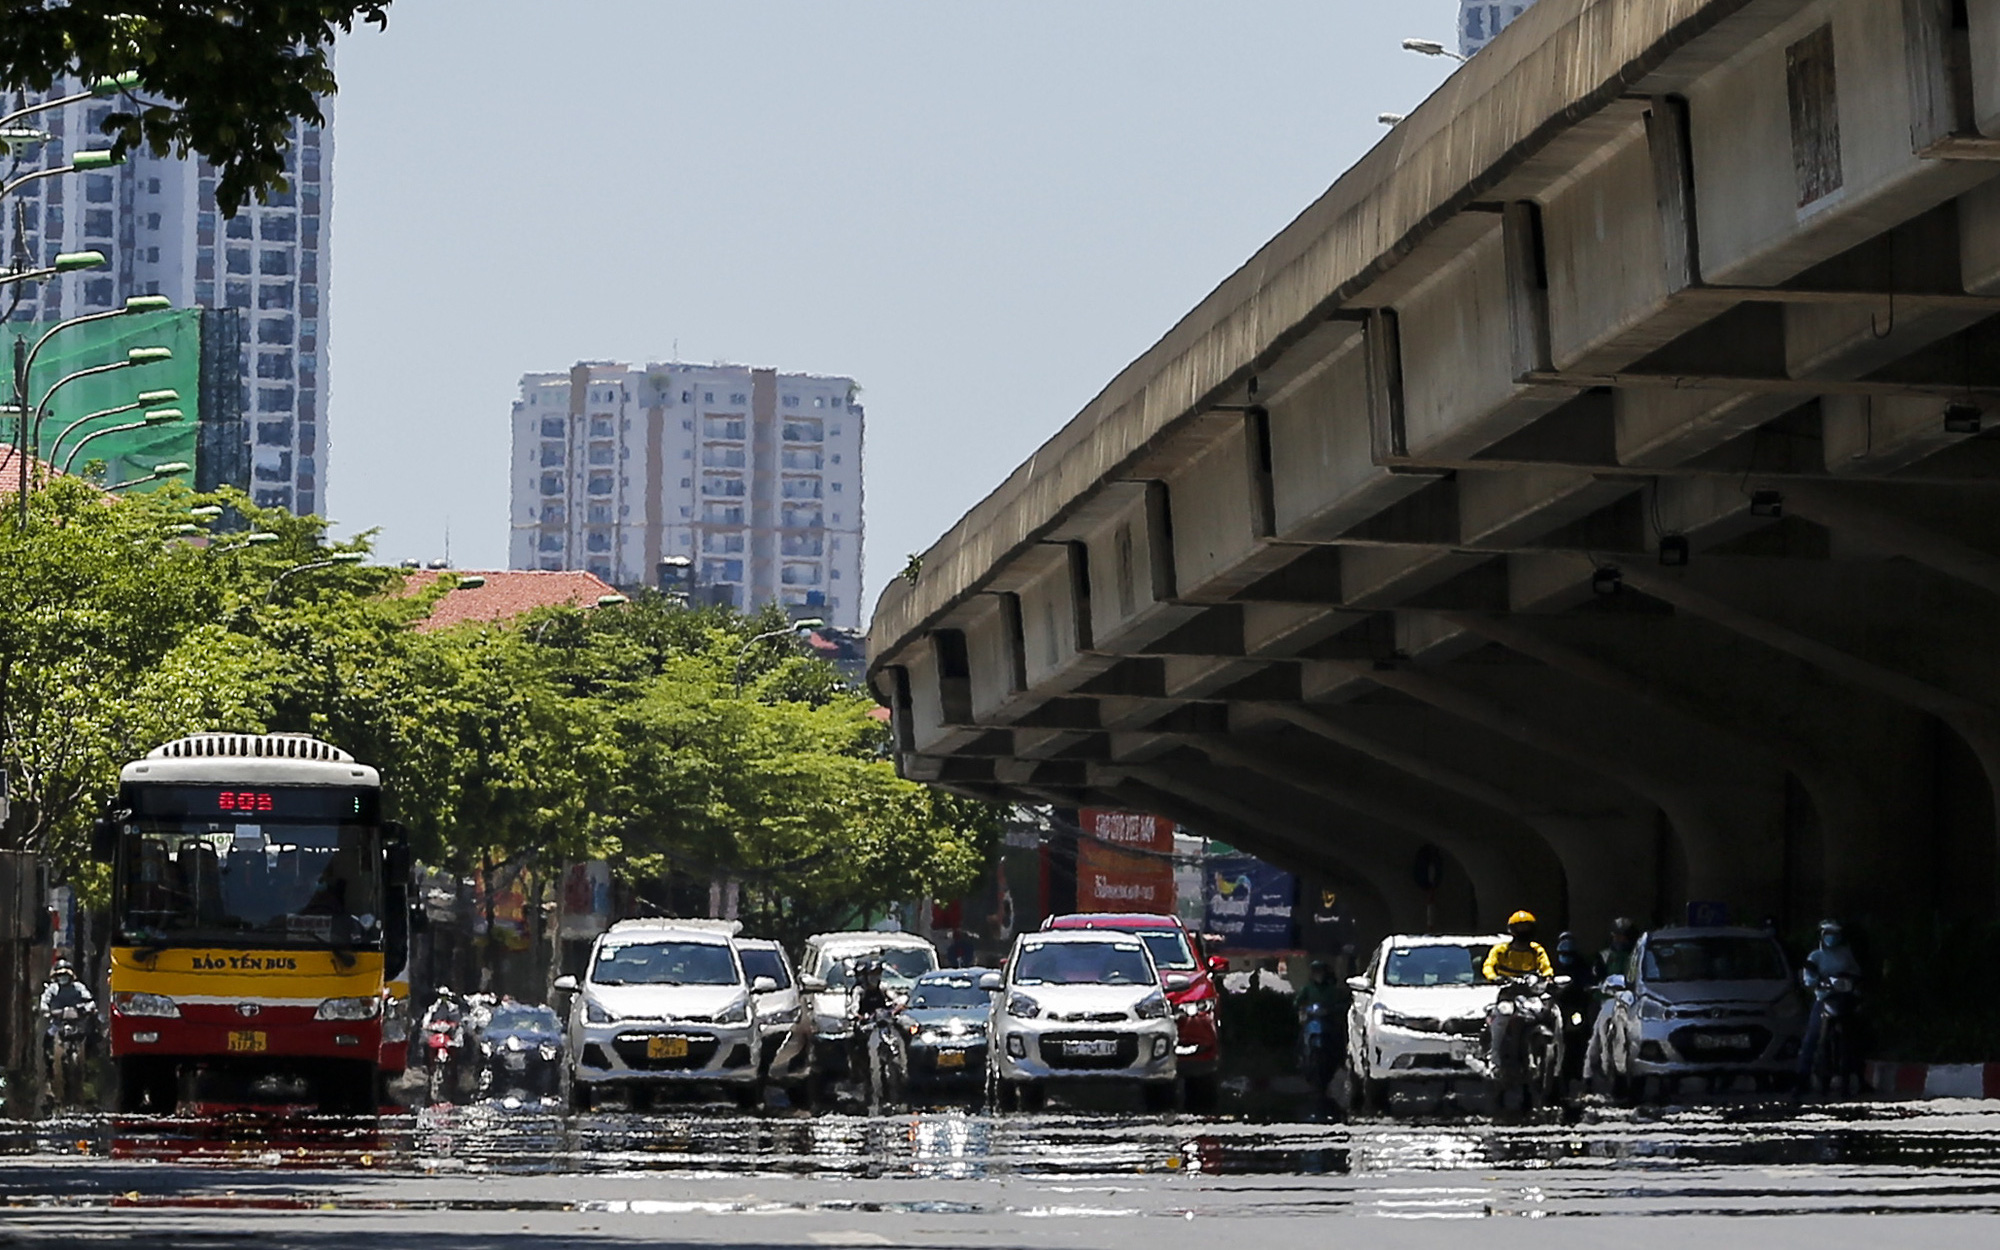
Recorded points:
(666, 1048)
(951, 1059)
(1721, 1041)
(240, 1042)
(1095, 1049)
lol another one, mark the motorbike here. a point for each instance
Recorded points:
(1835, 1061)
(69, 1037)
(443, 1039)
(888, 1071)
(1527, 1044)
(1318, 1047)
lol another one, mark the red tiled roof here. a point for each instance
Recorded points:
(507, 594)
(10, 470)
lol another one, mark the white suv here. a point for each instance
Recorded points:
(826, 979)
(1419, 1013)
(1080, 1005)
(664, 1002)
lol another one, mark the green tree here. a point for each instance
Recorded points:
(224, 80)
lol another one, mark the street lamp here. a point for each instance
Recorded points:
(65, 262)
(1391, 119)
(261, 538)
(170, 468)
(1431, 47)
(804, 622)
(146, 399)
(161, 416)
(337, 558)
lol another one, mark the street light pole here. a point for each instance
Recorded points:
(338, 557)
(805, 622)
(145, 398)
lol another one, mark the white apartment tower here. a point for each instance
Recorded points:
(1480, 20)
(155, 220)
(749, 480)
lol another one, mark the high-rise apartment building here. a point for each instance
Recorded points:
(1480, 20)
(155, 220)
(746, 481)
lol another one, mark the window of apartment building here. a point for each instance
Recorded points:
(552, 484)
(600, 453)
(836, 488)
(722, 427)
(238, 227)
(800, 575)
(153, 258)
(274, 433)
(725, 485)
(274, 329)
(722, 514)
(722, 457)
(276, 262)
(722, 543)
(552, 427)
(800, 459)
(552, 542)
(279, 228)
(803, 431)
(601, 569)
(555, 513)
(833, 574)
(801, 519)
(597, 540)
(204, 292)
(152, 221)
(800, 545)
(600, 427)
(600, 483)
(237, 260)
(687, 513)
(800, 488)
(791, 401)
(687, 483)
(204, 229)
(278, 498)
(99, 291)
(722, 570)
(274, 365)
(100, 222)
(552, 455)
(835, 431)
(236, 294)
(153, 186)
(687, 425)
(687, 453)
(598, 514)
(97, 189)
(275, 295)
(739, 399)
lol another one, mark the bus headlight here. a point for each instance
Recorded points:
(130, 1004)
(349, 1008)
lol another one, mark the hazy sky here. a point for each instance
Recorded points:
(980, 211)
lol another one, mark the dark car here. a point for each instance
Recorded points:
(945, 1021)
(520, 1052)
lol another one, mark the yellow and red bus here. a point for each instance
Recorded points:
(251, 892)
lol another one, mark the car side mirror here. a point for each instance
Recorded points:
(565, 985)
(812, 985)
(1359, 985)
(104, 839)
(1177, 981)
(1217, 965)
(1612, 985)
(764, 985)
(990, 982)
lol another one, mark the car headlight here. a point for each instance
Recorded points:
(1154, 1006)
(788, 1016)
(737, 1012)
(548, 1052)
(1652, 1009)
(1397, 1020)
(130, 1004)
(349, 1008)
(514, 1042)
(1197, 1007)
(594, 1013)
(1023, 1006)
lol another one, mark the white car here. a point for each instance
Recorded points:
(1419, 1013)
(785, 1034)
(1715, 1003)
(1079, 1005)
(664, 1003)
(826, 977)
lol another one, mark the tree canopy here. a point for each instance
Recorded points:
(224, 80)
(659, 737)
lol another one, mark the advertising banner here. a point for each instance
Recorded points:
(586, 900)
(1124, 862)
(1250, 903)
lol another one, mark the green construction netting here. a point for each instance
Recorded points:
(130, 454)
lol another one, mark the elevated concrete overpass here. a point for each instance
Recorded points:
(1598, 484)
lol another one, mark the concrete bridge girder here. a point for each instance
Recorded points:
(1634, 270)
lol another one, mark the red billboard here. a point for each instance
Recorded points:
(1124, 862)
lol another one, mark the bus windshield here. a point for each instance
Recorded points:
(203, 880)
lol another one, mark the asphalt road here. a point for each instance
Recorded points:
(1876, 1175)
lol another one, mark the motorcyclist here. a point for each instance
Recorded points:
(869, 998)
(63, 990)
(1574, 1002)
(1521, 955)
(1831, 960)
(1615, 960)
(1321, 990)
(446, 1008)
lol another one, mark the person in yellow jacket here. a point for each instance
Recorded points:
(1521, 955)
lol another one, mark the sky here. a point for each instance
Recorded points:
(979, 211)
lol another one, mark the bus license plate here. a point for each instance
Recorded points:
(241, 1042)
(1099, 1050)
(666, 1048)
(951, 1059)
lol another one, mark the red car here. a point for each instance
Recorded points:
(1175, 949)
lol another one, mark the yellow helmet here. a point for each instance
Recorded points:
(1520, 917)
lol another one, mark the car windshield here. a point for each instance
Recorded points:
(1170, 950)
(1435, 965)
(1713, 959)
(948, 993)
(1083, 963)
(526, 1021)
(273, 884)
(665, 963)
(900, 966)
(760, 961)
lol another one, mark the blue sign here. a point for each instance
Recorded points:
(1250, 903)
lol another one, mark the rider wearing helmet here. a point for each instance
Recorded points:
(63, 990)
(869, 998)
(1520, 956)
(1831, 960)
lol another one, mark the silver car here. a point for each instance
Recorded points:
(1708, 1002)
(1081, 1005)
